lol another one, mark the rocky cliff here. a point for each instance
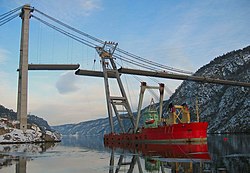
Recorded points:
(225, 108)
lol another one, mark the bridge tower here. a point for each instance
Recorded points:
(23, 69)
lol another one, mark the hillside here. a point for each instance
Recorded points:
(226, 108)
(38, 130)
(32, 119)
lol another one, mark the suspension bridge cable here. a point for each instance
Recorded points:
(69, 27)
(166, 88)
(10, 12)
(156, 81)
(126, 64)
(152, 67)
(8, 19)
(137, 64)
(118, 49)
(153, 94)
(137, 78)
(127, 86)
(79, 39)
(154, 63)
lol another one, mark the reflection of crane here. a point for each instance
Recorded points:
(160, 157)
(122, 163)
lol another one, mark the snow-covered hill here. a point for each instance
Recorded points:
(32, 119)
(38, 129)
(10, 134)
(226, 108)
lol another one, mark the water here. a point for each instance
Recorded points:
(223, 153)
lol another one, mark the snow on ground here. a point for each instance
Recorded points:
(10, 134)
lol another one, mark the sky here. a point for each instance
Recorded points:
(181, 34)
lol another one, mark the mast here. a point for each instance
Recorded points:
(197, 109)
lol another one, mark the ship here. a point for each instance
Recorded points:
(175, 128)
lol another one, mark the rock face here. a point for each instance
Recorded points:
(38, 129)
(225, 108)
(10, 134)
(32, 119)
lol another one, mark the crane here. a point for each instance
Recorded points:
(110, 71)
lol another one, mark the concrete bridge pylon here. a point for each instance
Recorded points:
(23, 69)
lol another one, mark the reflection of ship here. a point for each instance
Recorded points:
(185, 157)
(182, 150)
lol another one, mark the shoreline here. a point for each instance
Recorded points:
(30, 142)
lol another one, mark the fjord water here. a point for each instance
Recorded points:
(225, 153)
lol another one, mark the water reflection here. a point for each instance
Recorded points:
(160, 157)
(222, 153)
(19, 154)
(230, 153)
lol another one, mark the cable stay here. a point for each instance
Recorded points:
(166, 88)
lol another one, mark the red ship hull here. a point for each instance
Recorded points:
(175, 133)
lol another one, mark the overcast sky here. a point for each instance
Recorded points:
(182, 34)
